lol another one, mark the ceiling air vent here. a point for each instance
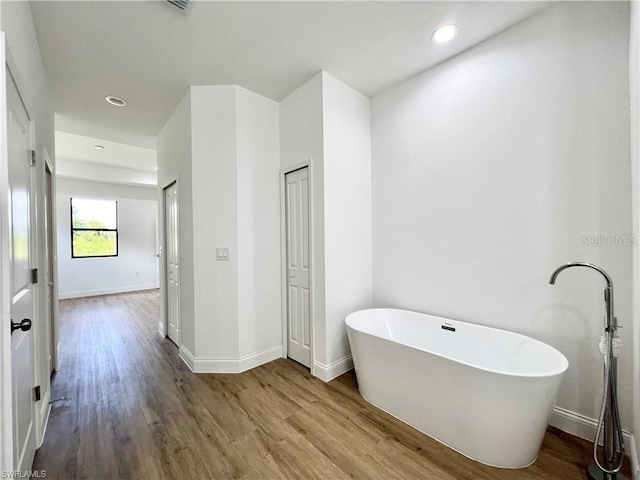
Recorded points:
(184, 5)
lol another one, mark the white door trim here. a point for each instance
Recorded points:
(46, 264)
(283, 256)
(49, 167)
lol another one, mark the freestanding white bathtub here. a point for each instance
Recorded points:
(484, 392)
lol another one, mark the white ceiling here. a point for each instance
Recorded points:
(129, 157)
(150, 53)
(77, 157)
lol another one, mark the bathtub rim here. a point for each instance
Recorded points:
(564, 363)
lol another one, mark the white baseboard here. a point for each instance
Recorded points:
(326, 373)
(106, 291)
(187, 357)
(229, 365)
(259, 358)
(161, 329)
(584, 427)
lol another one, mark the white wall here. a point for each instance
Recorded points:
(634, 89)
(329, 122)
(174, 164)
(17, 24)
(347, 210)
(135, 267)
(26, 62)
(488, 169)
(301, 140)
(214, 177)
(233, 164)
(258, 154)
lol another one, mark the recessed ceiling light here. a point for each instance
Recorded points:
(117, 101)
(99, 147)
(445, 34)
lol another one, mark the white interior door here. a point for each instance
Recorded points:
(22, 366)
(298, 266)
(172, 262)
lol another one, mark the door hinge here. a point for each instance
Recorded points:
(32, 158)
(36, 393)
(34, 275)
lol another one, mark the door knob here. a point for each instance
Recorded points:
(24, 325)
(292, 275)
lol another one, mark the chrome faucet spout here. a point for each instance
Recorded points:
(606, 276)
(610, 319)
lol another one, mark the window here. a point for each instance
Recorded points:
(94, 228)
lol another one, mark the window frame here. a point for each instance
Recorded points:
(92, 230)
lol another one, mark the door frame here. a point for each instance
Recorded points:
(52, 262)
(163, 325)
(45, 261)
(308, 163)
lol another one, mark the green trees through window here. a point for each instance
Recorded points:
(94, 228)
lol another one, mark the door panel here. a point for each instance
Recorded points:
(22, 374)
(298, 266)
(172, 262)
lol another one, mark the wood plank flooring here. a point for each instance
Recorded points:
(132, 409)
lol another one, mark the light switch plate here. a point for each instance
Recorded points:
(222, 253)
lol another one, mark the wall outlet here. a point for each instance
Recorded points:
(137, 274)
(222, 253)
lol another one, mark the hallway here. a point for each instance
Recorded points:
(132, 409)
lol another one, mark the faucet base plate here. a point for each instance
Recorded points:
(594, 473)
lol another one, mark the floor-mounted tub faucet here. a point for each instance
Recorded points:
(609, 468)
